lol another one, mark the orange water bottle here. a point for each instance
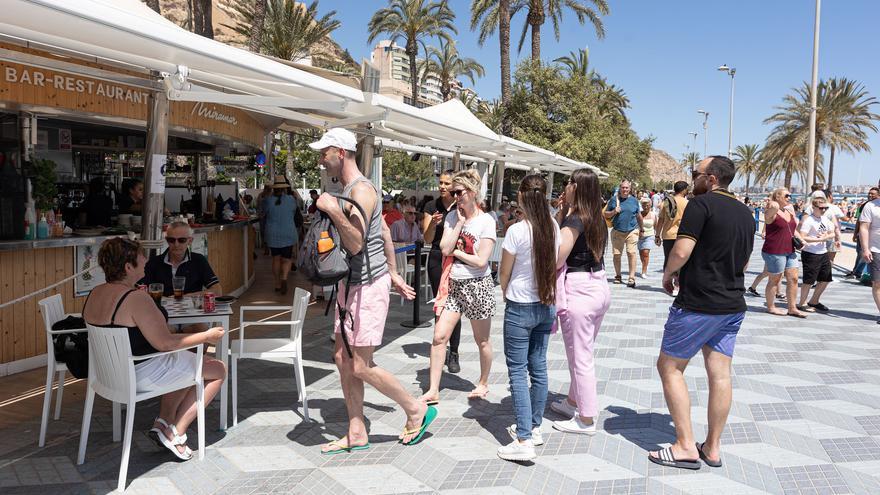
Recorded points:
(325, 243)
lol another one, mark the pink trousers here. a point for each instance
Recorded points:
(587, 298)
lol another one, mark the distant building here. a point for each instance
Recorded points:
(394, 77)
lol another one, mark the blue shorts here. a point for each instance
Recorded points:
(686, 332)
(778, 263)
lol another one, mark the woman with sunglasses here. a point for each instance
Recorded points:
(582, 297)
(528, 282)
(779, 253)
(467, 242)
(816, 229)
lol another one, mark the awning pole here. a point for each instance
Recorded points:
(456, 161)
(497, 184)
(154, 166)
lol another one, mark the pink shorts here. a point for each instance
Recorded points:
(367, 311)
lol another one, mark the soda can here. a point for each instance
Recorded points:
(208, 304)
(142, 287)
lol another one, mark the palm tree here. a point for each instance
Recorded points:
(203, 23)
(492, 114)
(690, 160)
(540, 10)
(611, 101)
(576, 63)
(447, 66)
(785, 154)
(849, 116)
(290, 28)
(259, 20)
(489, 16)
(414, 21)
(747, 158)
(154, 4)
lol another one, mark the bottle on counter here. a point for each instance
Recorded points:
(43, 228)
(30, 222)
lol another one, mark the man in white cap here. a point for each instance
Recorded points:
(368, 295)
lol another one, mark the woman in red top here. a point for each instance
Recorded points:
(778, 252)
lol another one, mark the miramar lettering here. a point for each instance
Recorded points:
(212, 113)
(74, 84)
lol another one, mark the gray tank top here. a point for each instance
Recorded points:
(375, 247)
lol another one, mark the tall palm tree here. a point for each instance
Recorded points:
(492, 114)
(447, 66)
(849, 117)
(259, 21)
(747, 158)
(414, 21)
(785, 154)
(202, 13)
(792, 119)
(576, 63)
(540, 10)
(290, 28)
(611, 101)
(489, 16)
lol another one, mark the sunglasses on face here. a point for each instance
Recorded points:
(409, 213)
(179, 240)
(823, 208)
(457, 192)
(787, 196)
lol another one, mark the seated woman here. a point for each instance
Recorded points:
(117, 303)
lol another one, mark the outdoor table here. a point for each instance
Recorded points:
(182, 312)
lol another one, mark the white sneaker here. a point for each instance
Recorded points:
(537, 439)
(575, 425)
(646, 276)
(641, 275)
(516, 451)
(564, 408)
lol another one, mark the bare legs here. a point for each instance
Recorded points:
(280, 270)
(770, 295)
(791, 290)
(353, 372)
(178, 408)
(645, 255)
(817, 292)
(442, 330)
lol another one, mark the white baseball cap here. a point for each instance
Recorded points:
(336, 138)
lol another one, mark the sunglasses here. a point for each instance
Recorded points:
(457, 192)
(787, 196)
(409, 213)
(180, 240)
(823, 208)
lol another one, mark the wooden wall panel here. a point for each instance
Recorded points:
(6, 319)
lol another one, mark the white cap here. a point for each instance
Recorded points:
(336, 138)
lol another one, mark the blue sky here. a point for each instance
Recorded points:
(665, 55)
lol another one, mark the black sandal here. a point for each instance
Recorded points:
(666, 458)
(709, 462)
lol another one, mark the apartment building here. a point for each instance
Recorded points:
(394, 77)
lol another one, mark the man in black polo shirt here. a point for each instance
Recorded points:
(713, 247)
(179, 261)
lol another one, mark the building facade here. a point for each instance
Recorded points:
(394, 77)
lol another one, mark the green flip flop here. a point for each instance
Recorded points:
(342, 449)
(430, 416)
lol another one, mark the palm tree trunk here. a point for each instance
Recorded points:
(154, 4)
(504, 43)
(748, 176)
(831, 169)
(255, 41)
(788, 175)
(412, 49)
(536, 43)
(203, 23)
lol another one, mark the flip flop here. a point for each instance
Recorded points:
(343, 449)
(666, 458)
(481, 395)
(705, 459)
(431, 402)
(430, 416)
(796, 315)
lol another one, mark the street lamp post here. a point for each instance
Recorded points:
(732, 72)
(811, 151)
(705, 115)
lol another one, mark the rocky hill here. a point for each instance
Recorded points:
(664, 168)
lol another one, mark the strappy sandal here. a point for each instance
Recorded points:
(175, 442)
(155, 433)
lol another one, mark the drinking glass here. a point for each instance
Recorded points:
(156, 291)
(179, 283)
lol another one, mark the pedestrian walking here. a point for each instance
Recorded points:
(582, 297)
(432, 226)
(834, 214)
(816, 230)
(373, 273)
(779, 251)
(714, 244)
(528, 283)
(626, 221)
(669, 218)
(861, 264)
(281, 232)
(869, 235)
(646, 237)
(468, 240)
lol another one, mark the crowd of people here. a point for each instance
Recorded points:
(552, 277)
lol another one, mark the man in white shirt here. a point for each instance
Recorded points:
(834, 214)
(869, 235)
(407, 229)
(816, 229)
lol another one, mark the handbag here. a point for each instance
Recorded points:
(796, 241)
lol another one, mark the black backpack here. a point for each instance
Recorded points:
(329, 268)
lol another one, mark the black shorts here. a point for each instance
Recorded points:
(817, 267)
(285, 252)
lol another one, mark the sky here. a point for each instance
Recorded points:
(665, 56)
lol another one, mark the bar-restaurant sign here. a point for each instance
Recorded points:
(37, 86)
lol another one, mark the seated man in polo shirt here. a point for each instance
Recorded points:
(179, 261)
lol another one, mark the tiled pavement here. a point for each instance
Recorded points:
(805, 419)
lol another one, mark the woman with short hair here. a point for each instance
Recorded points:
(117, 303)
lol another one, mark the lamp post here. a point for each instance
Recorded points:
(694, 157)
(732, 72)
(811, 150)
(705, 115)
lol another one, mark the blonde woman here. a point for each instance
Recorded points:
(467, 242)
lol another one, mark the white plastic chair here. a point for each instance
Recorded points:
(404, 269)
(272, 348)
(112, 376)
(495, 257)
(52, 309)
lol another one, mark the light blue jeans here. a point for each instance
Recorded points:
(526, 333)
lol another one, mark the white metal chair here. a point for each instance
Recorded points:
(272, 348)
(52, 309)
(112, 376)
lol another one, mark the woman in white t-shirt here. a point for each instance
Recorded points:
(467, 242)
(528, 281)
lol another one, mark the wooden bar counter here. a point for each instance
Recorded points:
(26, 266)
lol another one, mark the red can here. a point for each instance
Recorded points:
(208, 304)
(142, 287)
